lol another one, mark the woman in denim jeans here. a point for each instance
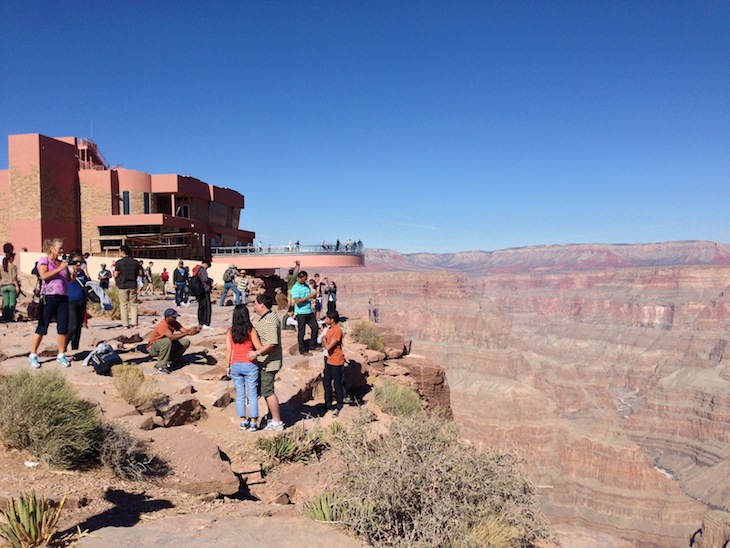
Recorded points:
(241, 339)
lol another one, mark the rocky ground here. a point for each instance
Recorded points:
(215, 492)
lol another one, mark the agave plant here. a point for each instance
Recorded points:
(30, 522)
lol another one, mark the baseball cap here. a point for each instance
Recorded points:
(103, 265)
(170, 312)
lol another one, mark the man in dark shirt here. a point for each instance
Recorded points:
(126, 271)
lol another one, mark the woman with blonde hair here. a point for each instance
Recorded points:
(54, 274)
(9, 286)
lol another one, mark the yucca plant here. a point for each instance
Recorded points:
(322, 508)
(295, 445)
(30, 522)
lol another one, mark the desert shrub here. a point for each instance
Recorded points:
(136, 389)
(431, 490)
(396, 399)
(366, 333)
(126, 456)
(29, 521)
(294, 445)
(40, 412)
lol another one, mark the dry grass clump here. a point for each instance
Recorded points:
(40, 412)
(431, 490)
(126, 456)
(396, 399)
(136, 389)
(366, 333)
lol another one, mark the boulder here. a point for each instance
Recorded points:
(180, 409)
(195, 461)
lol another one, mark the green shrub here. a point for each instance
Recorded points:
(431, 490)
(294, 445)
(40, 412)
(366, 333)
(126, 456)
(30, 522)
(136, 389)
(398, 400)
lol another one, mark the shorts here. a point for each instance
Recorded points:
(266, 382)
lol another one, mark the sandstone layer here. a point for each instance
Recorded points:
(612, 383)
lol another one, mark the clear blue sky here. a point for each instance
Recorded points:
(415, 126)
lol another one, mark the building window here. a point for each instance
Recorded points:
(146, 202)
(125, 202)
(184, 211)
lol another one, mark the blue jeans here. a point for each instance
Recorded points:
(245, 377)
(233, 287)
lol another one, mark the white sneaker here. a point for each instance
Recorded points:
(274, 425)
(207, 327)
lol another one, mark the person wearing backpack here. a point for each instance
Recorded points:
(229, 282)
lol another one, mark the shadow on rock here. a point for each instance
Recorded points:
(127, 511)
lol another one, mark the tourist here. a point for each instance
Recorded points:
(205, 310)
(331, 297)
(104, 276)
(140, 277)
(180, 279)
(167, 340)
(302, 296)
(9, 285)
(54, 274)
(290, 320)
(242, 284)
(241, 341)
(76, 300)
(281, 300)
(318, 284)
(291, 279)
(269, 357)
(229, 284)
(127, 272)
(148, 276)
(164, 278)
(334, 364)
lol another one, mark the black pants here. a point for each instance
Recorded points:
(331, 306)
(333, 375)
(302, 321)
(204, 309)
(76, 312)
(180, 294)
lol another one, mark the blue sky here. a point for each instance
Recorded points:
(415, 126)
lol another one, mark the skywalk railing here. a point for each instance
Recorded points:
(288, 250)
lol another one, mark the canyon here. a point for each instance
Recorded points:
(602, 366)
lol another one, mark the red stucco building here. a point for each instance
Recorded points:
(63, 187)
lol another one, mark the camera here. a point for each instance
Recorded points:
(71, 262)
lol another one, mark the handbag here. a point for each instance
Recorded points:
(35, 308)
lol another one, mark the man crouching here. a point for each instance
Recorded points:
(167, 342)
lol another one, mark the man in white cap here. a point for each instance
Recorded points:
(229, 282)
(167, 340)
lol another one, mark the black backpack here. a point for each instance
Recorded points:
(103, 362)
(197, 288)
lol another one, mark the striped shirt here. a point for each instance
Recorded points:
(269, 330)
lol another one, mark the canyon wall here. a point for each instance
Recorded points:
(612, 383)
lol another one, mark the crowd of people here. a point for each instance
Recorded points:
(253, 350)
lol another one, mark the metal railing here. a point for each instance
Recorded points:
(287, 250)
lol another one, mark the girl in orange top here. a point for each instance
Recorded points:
(241, 339)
